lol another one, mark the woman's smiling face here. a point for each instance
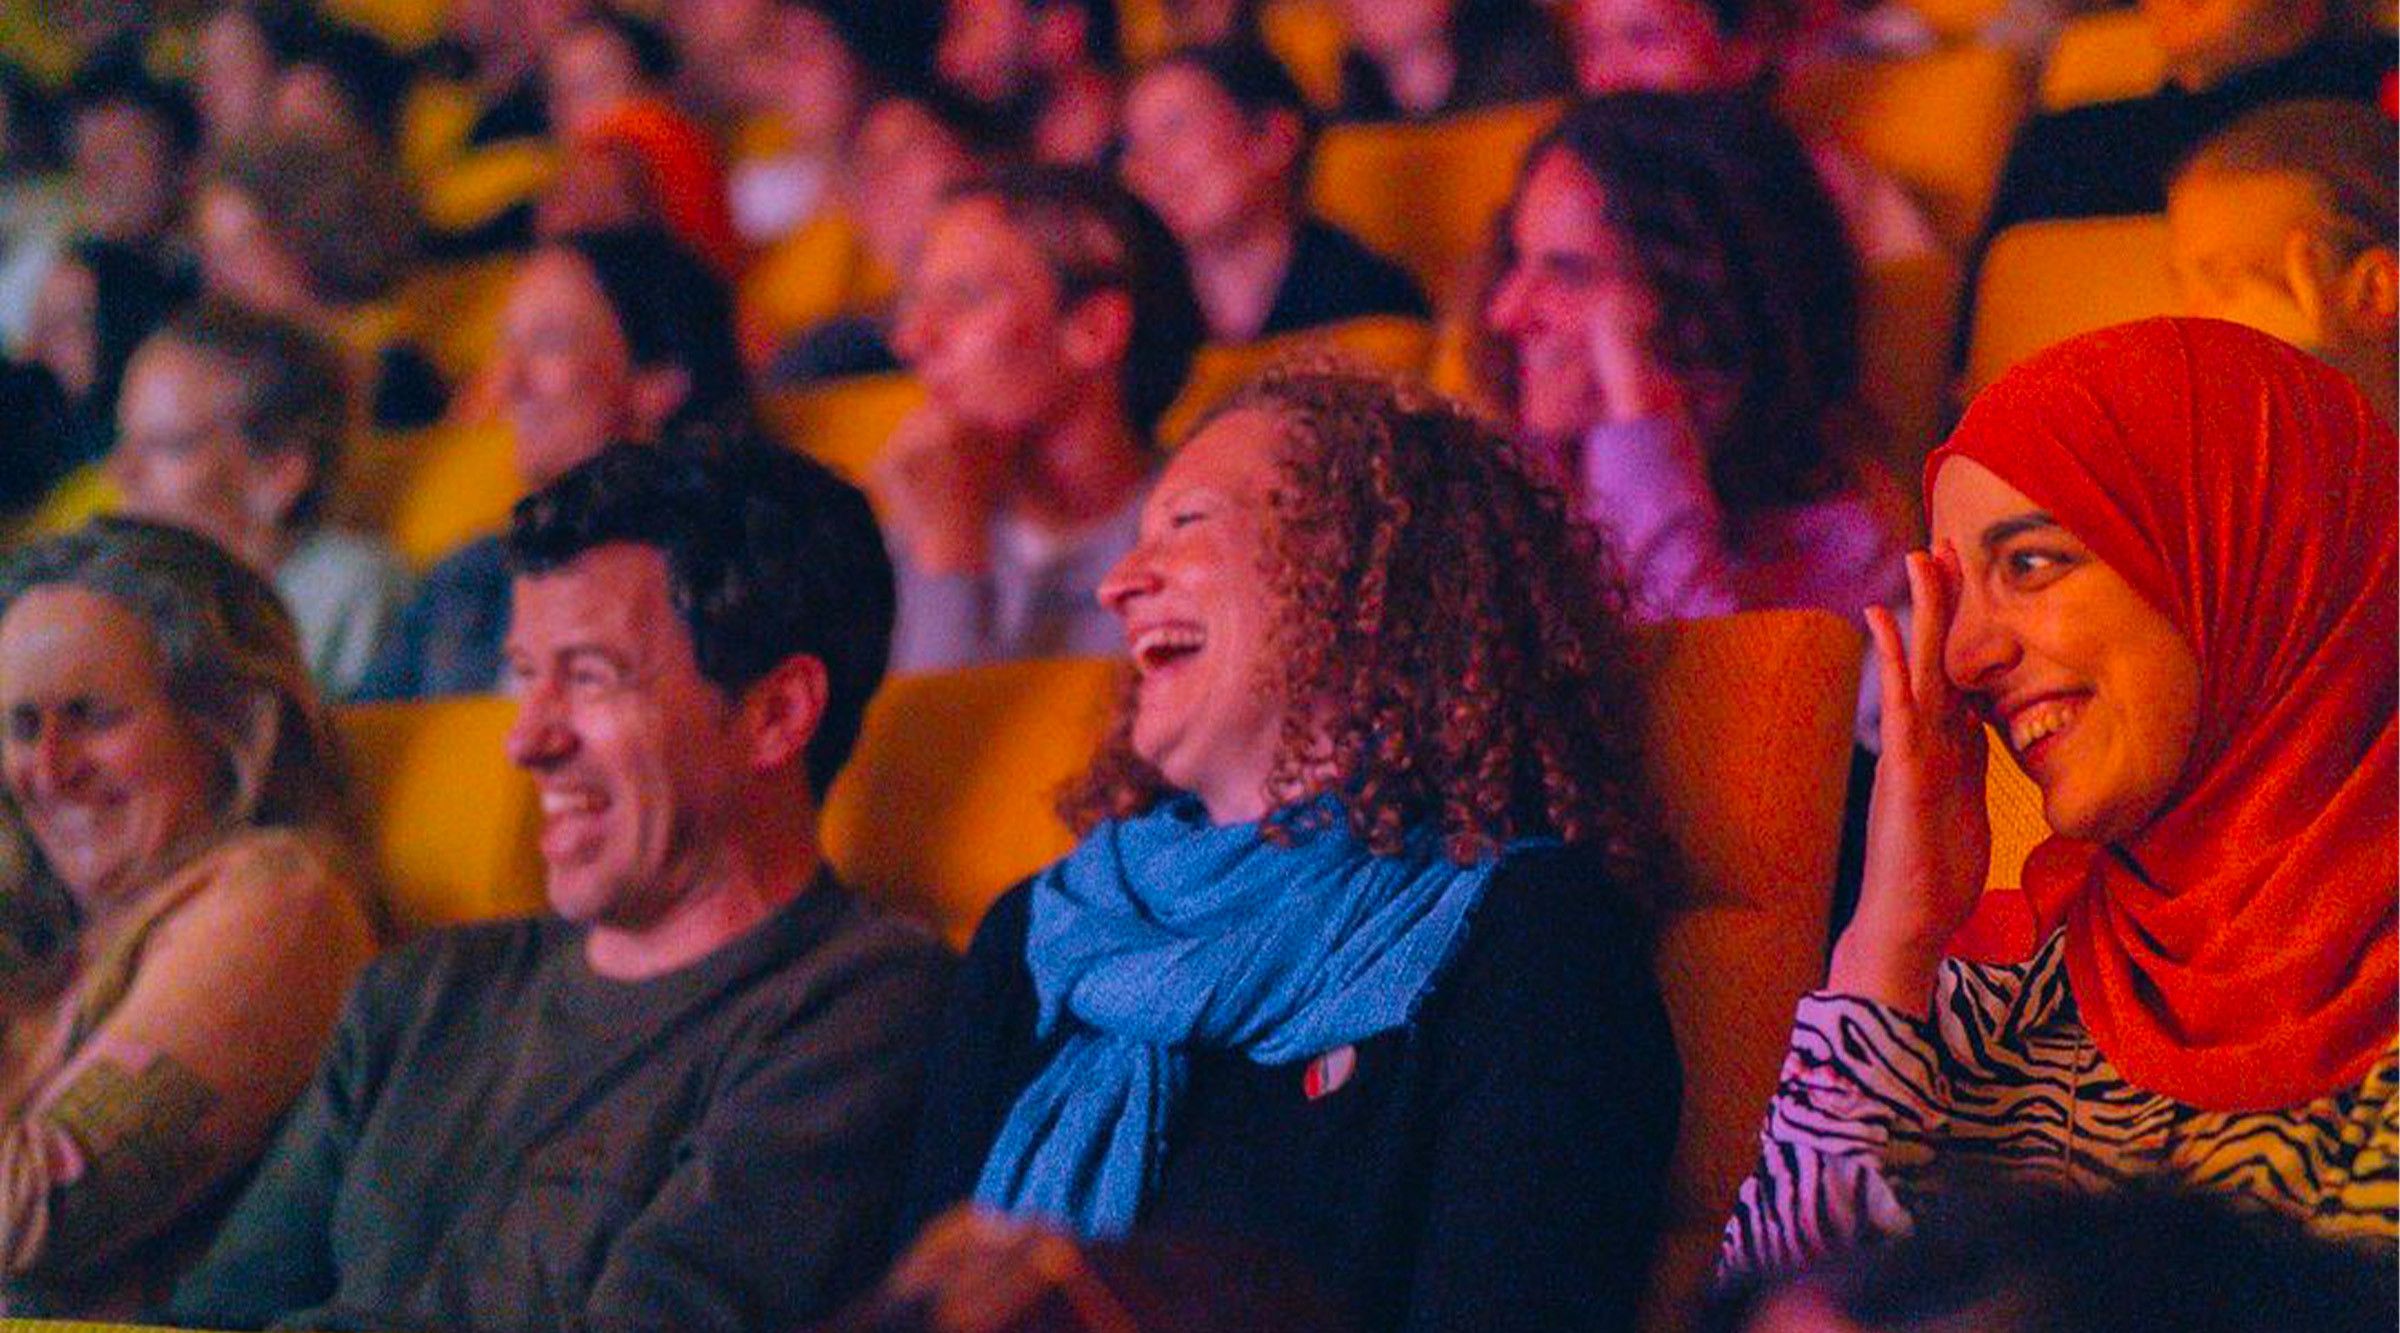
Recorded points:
(2094, 691)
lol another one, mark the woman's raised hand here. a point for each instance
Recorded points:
(938, 488)
(1929, 839)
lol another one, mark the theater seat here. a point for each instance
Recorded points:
(948, 799)
(1939, 123)
(2103, 57)
(843, 424)
(1748, 737)
(1394, 342)
(1426, 194)
(456, 483)
(820, 270)
(455, 309)
(2046, 281)
(2018, 826)
(1906, 311)
(452, 826)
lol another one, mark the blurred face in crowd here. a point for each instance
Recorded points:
(981, 324)
(805, 74)
(1386, 28)
(181, 457)
(986, 48)
(236, 80)
(510, 37)
(108, 773)
(64, 334)
(1663, 46)
(599, 186)
(568, 373)
(2261, 248)
(901, 164)
(632, 750)
(590, 72)
(1200, 621)
(1210, 170)
(241, 257)
(1568, 270)
(128, 180)
(2092, 689)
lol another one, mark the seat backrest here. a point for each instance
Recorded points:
(1907, 308)
(949, 797)
(2103, 57)
(844, 423)
(456, 483)
(1426, 194)
(2043, 282)
(822, 269)
(1394, 342)
(1939, 123)
(453, 827)
(1748, 744)
(455, 310)
(2018, 826)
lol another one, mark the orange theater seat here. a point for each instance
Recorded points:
(2102, 57)
(453, 827)
(1426, 194)
(456, 483)
(2043, 282)
(1939, 123)
(844, 423)
(1396, 343)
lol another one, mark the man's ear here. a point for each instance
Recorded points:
(2367, 294)
(781, 710)
(1278, 140)
(658, 393)
(277, 481)
(1098, 331)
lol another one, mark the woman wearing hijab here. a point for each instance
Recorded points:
(2163, 573)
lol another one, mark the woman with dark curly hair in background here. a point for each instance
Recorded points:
(1353, 956)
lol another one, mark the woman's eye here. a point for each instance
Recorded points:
(2034, 565)
(1184, 518)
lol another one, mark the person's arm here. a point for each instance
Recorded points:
(179, 1085)
(1861, 1097)
(1557, 1096)
(780, 1203)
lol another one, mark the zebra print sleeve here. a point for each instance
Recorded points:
(1860, 1099)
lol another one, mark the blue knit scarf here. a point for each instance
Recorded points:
(1164, 932)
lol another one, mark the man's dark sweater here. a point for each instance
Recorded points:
(501, 1139)
(1496, 1165)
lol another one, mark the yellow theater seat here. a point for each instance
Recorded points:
(1396, 343)
(1748, 741)
(1426, 194)
(1310, 40)
(949, 797)
(819, 271)
(407, 25)
(1906, 311)
(80, 496)
(2046, 281)
(457, 483)
(2018, 825)
(843, 424)
(1939, 123)
(455, 311)
(454, 828)
(2103, 57)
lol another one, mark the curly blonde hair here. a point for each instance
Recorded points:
(1463, 641)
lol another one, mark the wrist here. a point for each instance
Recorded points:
(1891, 965)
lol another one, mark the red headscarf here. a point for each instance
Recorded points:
(2247, 491)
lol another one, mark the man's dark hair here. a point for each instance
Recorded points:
(769, 556)
(675, 311)
(1252, 79)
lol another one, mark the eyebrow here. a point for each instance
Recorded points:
(2018, 526)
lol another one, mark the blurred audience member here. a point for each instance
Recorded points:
(633, 160)
(909, 152)
(182, 915)
(681, 1101)
(2162, 574)
(477, 138)
(977, 1271)
(2137, 1259)
(1052, 322)
(608, 336)
(1216, 141)
(1044, 67)
(233, 425)
(1676, 319)
(96, 306)
(1353, 956)
(1732, 46)
(271, 64)
(131, 140)
(809, 80)
(1210, 22)
(1422, 59)
(319, 231)
(37, 211)
(2285, 222)
(2224, 58)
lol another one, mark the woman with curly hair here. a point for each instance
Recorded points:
(1674, 331)
(1353, 956)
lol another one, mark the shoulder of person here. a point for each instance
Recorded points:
(295, 876)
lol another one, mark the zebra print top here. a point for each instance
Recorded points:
(1876, 1109)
